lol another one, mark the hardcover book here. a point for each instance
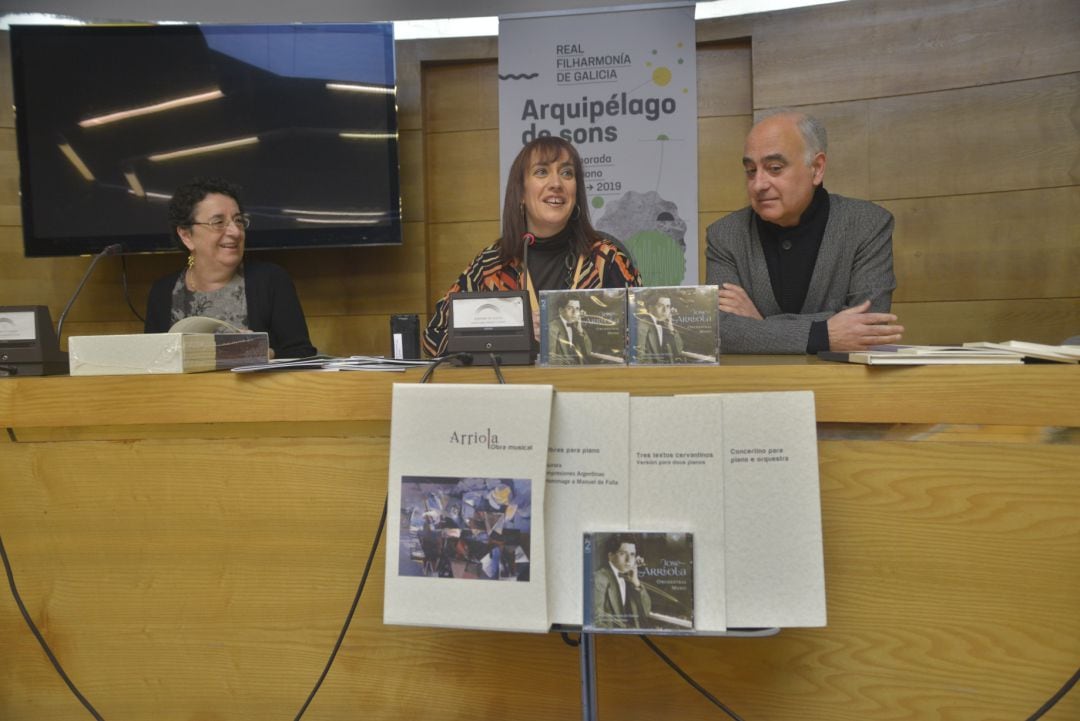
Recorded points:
(638, 582)
(153, 353)
(773, 550)
(677, 468)
(1038, 351)
(673, 324)
(588, 487)
(465, 528)
(478, 541)
(583, 327)
(737, 470)
(924, 355)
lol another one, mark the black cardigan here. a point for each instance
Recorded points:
(272, 306)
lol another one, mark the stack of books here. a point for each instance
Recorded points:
(1033, 351)
(918, 355)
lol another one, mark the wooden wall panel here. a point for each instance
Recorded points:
(10, 212)
(982, 247)
(411, 173)
(721, 182)
(1041, 320)
(461, 96)
(384, 279)
(463, 176)
(343, 334)
(1007, 136)
(453, 245)
(724, 83)
(414, 57)
(885, 48)
(7, 100)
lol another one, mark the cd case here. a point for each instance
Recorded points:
(583, 327)
(673, 324)
(638, 581)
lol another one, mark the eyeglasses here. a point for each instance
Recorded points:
(242, 221)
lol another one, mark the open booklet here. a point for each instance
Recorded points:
(1038, 351)
(478, 540)
(738, 471)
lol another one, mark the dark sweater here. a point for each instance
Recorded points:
(272, 307)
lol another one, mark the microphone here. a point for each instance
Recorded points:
(108, 250)
(527, 239)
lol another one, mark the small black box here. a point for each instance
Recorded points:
(405, 336)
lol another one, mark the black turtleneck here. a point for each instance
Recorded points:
(550, 261)
(790, 254)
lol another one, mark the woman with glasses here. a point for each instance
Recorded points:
(210, 225)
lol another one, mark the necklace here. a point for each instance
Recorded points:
(191, 285)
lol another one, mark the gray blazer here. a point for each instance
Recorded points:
(854, 264)
(608, 610)
(561, 352)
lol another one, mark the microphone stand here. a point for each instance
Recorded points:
(108, 250)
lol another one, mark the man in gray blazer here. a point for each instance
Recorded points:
(620, 599)
(658, 338)
(568, 343)
(800, 270)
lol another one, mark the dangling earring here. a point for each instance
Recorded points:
(576, 212)
(191, 260)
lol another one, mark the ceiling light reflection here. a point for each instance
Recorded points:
(337, 221)
(375, 89)
(201, 149)
(358, 213)
(368, 136)
(73, 157)
(133, 182)
(148, 109)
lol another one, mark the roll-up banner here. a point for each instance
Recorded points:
(621, 85)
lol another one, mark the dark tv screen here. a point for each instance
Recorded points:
(111, 119)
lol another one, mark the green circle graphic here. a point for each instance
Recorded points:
(659, 258)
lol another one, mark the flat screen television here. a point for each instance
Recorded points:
(111, 119)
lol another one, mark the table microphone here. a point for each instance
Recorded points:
(108, 250)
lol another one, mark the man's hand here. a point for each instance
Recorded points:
(734, 300)
(854, 329)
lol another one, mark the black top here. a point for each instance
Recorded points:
(550, 261)
(790, 254)
(272, 307)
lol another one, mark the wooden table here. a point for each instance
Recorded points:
(190, 546)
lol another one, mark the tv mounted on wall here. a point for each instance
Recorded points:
(111, 119)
